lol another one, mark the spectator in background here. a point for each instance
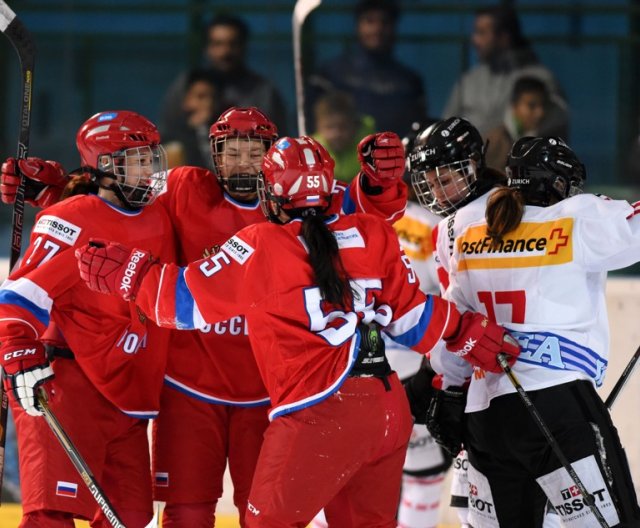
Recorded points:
(339, 129)
(188, 142)
(381, 86)
(225, 54)
(504, 55)
(522, 118)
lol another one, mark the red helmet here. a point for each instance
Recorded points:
(297, 173)
(109, 132)
(239, 139)
(238, 121)
(125, 147)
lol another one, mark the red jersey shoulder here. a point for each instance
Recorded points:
(193, 179)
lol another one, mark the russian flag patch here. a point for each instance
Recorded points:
(162, 480)
(67, 489)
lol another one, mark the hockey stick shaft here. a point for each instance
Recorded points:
(622, 380)
(78, 462)
(537, 417)
(24, 45)
(300, 13)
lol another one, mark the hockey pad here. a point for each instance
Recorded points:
(26, 368)
(381, 158)
(109, 267)
(479, 341)
(445, 418)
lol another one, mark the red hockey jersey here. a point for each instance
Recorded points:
(121, 352)
(215, 363)
(304, 348)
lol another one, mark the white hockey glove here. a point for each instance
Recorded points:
(26, 368)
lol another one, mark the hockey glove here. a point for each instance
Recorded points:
(45, 181)
(381, 159)
(445, 418)
(419, 391)
(109, 267)
(26, 368)
(479, 341)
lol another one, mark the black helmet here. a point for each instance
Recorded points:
(447, 149)
(545, 170)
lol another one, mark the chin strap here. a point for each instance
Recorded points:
(98, 175)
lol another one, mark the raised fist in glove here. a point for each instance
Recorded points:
(109, 267)
(445, 418)
(381, 158)
(479, 341)
(44, 184)
(26, 368)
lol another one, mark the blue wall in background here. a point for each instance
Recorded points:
(122, 54)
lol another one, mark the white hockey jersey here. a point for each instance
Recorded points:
(546, 284)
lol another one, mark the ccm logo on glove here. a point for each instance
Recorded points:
(20, 353)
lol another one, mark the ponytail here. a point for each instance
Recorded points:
(79, 183)
(505, 208)
(328, 269)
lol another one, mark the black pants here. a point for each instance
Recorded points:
(507, 447)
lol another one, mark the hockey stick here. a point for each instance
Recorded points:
(21, 40)
(300, 13)
(78, 462)
(588, 499)
(24, 45)
(622, 380)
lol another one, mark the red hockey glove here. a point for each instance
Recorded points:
(45, 181)
(479, 341)
(381, 158)
(109, 267)
(26, 368)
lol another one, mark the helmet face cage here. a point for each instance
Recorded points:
(443, 188)
(237, 160)
(140, 173)
(266, 197)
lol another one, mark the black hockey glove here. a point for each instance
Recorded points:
(445, 418)
(420, 392)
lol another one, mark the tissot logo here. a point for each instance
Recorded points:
(531, 244)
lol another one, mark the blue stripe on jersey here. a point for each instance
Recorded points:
(556, 352)
(348, 205)
(184, 304)
(413, 336)
(11, 297)
(185, 389)
(317, 398)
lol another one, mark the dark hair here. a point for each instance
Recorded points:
(79, 183)
(528, 84)
(505, 20)
(505, 208)
(324, 256)
(390, 7)
(202, 74)
(223, 19)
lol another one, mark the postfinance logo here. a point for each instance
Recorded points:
(532, 244)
